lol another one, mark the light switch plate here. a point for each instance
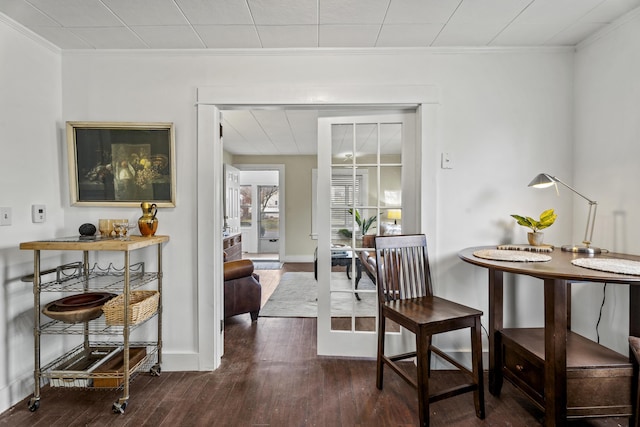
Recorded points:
(5, 216)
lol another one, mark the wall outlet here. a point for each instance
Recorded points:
(5, 216)
(38, 213)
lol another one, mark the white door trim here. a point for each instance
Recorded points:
(210, 159)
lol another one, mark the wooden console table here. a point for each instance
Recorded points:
(565, 374)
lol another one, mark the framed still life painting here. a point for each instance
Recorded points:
(121, 164)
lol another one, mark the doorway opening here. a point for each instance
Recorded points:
(262, 213)
(211, 100)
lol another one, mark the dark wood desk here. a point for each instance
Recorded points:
(555, 367)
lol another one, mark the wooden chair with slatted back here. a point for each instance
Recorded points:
(405, 296)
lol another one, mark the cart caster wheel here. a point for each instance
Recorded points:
(34, 404)
(155, 370)
(118, 408)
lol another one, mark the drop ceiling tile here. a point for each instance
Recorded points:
(411, 35)
(610, 10)
(238, 147)
(262, 147)
(62, 37)
(78, 13)
(528, 34)
(147, 12)
(228, 36)
(352, 11)
(289, 149)
(237, 118)
(565, 12)
(487, 11)
(24, 13)
(276, 125)
(468, 34)
(245, 124)
(275, 36)
(169, 37)
(525, 34)
(420, 11)
(200, 12)
(109, 38)
(288, 12)
(348, 35)
(305, 139)
(575, 34)
(304, 125)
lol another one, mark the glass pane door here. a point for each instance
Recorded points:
(269, 219)
(363, 166)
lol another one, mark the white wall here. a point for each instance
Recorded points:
(505, 116)
(607, 149)
(31, 164)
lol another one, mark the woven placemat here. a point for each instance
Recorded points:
(529, 248)
(611, 265)
(517, 256)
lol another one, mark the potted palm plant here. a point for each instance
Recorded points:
(535, 237)
(364, 224)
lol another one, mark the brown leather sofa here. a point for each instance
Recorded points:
(368, 263)
(242, 289)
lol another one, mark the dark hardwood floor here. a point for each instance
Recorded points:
(271, 376)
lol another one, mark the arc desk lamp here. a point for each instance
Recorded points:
(544, 180)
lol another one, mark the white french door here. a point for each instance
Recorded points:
(365, 185)
(231, 199)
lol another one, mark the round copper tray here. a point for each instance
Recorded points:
(86, 300)
(77, 308)
(72, 316)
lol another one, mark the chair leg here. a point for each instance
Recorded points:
(422, 345)
(429, 356)
(254, 315)
(478, 375)
(380, 361)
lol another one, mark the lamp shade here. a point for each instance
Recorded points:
(543, 180)
(394, 214)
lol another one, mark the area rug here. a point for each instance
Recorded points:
(296, 296)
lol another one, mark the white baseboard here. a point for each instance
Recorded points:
(298, 258)
(172, 362)
(16, 391)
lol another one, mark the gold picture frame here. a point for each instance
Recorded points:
(121, 163)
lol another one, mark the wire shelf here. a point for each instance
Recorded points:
(95, 327)
(57, 372)
(110, 278)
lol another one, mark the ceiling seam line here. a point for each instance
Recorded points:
(510, 22)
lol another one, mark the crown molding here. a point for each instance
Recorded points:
(29, 34)
(607, 30)
(321, 51)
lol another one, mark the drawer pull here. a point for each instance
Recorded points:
(519, 368)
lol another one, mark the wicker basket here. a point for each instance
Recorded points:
(142, 305)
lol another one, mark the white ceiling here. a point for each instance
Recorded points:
(202, 24)
(258, 24)
(295, 132)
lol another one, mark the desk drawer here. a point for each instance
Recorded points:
(599, 380)
(523, 369)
